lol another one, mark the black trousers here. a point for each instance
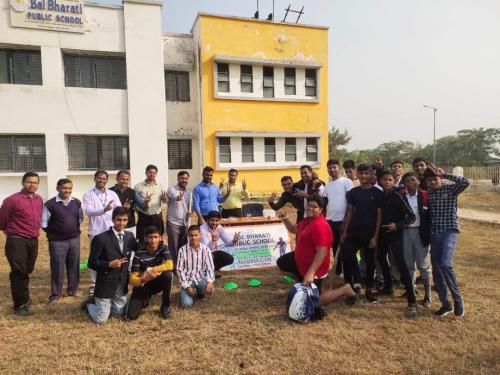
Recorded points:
(286, 263)
(21, 254)
(335, 227)
(394, 243)
(232, 212)
(162, 283)
(221, 259)
(144, 221)
(350, 248)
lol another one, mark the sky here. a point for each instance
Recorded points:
(390, 57)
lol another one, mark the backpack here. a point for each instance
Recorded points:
(303, 302)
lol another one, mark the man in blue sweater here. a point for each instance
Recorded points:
(61, 219)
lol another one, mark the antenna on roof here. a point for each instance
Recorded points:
(256, 14)
(299, 12)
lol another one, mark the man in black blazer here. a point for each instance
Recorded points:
(109, 257)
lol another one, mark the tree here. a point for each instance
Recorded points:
(467, 147)
(337, 143)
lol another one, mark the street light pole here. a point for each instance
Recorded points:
(434, 109)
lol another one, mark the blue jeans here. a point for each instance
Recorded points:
(186, 300)
(442, 252)
(100, 310)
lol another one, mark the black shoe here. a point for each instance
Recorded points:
(23, 310)
(354, 300)
(146, 302)
(202, 297)
(443, 311)
(459, 309)
(89, 300)
(165, 312)
(371, 297)
(319, 313)
(411, 310)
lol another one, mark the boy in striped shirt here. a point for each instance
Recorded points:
(151, 273)
(195, 269)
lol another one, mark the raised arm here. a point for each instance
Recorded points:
(460, 183)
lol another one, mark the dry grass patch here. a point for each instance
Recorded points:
(246, 330)
(487, 201)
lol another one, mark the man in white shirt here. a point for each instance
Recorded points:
(336, 192)
(98, 203)
(216, 238)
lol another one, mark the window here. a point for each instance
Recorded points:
(22, 153)
(22, 67)
(105, 72)
(92, 152)
(290, 149)
(246, 78)
(180, 154)
(311, 149)
(290, 81)
(268, 75)
(310, 82)
(247, 150)
(270, 149)
(222, 77)
(224, 150)
(177, 86)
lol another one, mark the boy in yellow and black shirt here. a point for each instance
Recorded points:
(151, 273)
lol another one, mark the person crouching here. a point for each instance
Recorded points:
(151, 273)
(195, 269)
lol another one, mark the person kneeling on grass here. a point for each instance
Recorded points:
(215, 237)
(151, 274)
(311, 259)
(109, 256)
(195, 269)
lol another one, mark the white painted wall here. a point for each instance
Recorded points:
(53, 109)
(182, 117)
(146, 87)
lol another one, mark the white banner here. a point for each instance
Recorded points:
(259, 245)
(58, 15)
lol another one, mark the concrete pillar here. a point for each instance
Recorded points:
(145, 88)
(54, 138)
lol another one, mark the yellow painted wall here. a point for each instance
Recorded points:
(253, 39)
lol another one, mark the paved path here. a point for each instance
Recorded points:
(476, 215)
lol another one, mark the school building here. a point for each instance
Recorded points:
(86, 86)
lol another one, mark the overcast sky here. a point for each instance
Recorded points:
(390, 57)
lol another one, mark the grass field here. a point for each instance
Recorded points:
(246, 330)
(488, 201)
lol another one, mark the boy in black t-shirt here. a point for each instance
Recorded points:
(361, 231)
(151, 274)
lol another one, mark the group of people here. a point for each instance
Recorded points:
(123, 250)
(394, 219)
(381, 212)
